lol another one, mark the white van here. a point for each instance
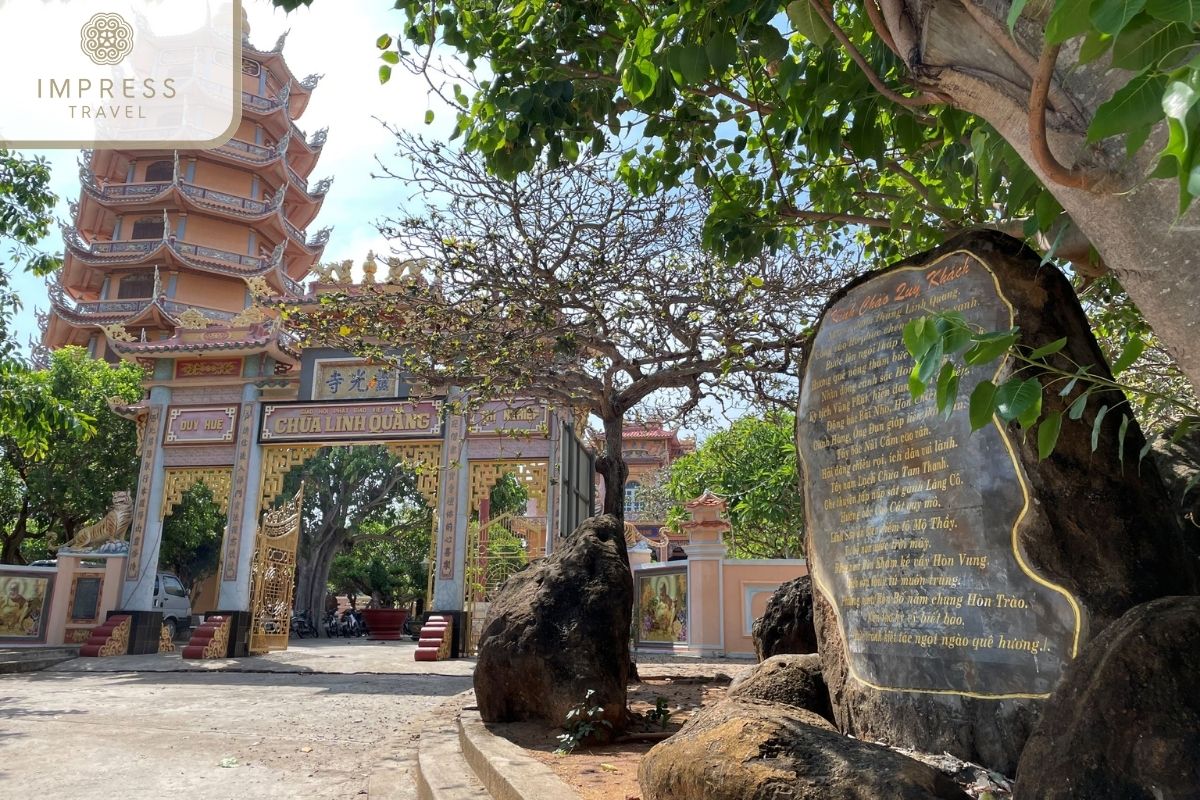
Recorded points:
(172, 600)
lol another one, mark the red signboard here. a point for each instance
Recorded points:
(314, 422)
(208, 425)
(510, 417)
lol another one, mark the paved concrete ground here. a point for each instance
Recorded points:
(324, 719)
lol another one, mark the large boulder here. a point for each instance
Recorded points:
(791, 679)
(745, 749)
(1125, 722)
(1179, 464)
(558, 629)
(957, 572)
(786, 625)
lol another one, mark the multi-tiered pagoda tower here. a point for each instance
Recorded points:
(167, 258)
(163, 240)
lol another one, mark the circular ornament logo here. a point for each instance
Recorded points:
(106, 39)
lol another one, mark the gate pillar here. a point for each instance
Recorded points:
(237, 549)
(452, 525)
(145, 533)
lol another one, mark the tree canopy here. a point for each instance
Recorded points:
(752, 466)
(71, 480)
(192, 536)
(389, 564)
(562, 285)
(29, 416)
(886, 123)
(351, 495)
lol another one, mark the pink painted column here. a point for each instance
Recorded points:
(705, 584)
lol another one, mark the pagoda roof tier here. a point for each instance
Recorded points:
(300, 89)
(265, 337)
(168, 251)
(301, 203)
(267, 215)
(149, 311)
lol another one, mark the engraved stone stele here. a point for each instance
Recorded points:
(955, 575)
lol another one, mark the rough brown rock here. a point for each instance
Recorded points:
(1125, 721)
(1179, 463)
(745, 749)
(1099, 529)
(791, 679)
(558, 629)
(786, 625)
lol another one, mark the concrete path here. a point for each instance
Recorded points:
(324, 719)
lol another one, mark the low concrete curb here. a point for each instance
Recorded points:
(442, 772)
(503, 768)
(34, 658)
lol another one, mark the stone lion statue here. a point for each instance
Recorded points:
(111, 528)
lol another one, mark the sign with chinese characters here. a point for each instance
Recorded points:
(353, 380)
(208, 367)
(311, 422)
(512, 417)
(209, 425)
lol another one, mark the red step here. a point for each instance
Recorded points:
(202, 637)
(99, 636)
(426, 654)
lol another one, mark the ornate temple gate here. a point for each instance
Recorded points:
(497, 547)
(273, 576)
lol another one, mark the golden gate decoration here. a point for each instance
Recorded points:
(489, 563)
(180, 479)
(272, 576)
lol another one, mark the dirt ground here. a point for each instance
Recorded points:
(609, 772)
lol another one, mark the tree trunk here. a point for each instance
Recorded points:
(612, 468)
(1130, 220)
(10, 552)
(313, 574)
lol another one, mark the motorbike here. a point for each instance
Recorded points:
(332, 627)
(352, 624)
(302, 625)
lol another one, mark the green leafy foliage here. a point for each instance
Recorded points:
(52, 500)
(388, 563)
(192, 536)
(355, 495)
(583, 723)
(752, 465)
(758, 103)
(661, 713)
(932, 341)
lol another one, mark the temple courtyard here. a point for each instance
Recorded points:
(323, 719)
(338, 718)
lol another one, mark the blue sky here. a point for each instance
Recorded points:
(336, 38)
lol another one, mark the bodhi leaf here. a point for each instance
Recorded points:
(983, 404)
(1048, 434)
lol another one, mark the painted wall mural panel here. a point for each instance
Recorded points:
(25, 606)
(661, 614)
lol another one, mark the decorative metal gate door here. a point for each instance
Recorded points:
(273, 576)
(504, 545)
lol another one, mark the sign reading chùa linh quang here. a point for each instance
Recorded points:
(913, 520)
(306, 422)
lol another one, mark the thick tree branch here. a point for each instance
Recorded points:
(1050, 166)
(924, 99)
